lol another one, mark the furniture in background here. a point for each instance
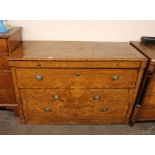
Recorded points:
(145, 105)
(3, 29)
(8, 42)
(76, 82)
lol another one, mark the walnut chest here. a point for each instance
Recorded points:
(145, 104)
(76, 82)
(8, 42)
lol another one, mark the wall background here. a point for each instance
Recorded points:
(85, 30)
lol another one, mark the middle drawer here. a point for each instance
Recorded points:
(76, 78)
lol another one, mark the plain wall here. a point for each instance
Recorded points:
(85, 30)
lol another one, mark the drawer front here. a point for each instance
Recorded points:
(147, 113)
(91, 105)
(5, 79)
(149, 101)
(3, 46)
(7, 96)
(76, 78)
(3, 63)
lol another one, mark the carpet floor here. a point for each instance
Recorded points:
(9, 125)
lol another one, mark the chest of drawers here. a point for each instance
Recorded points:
(8, 42)
(76, 82)
(145, 104)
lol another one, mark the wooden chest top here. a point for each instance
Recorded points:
(75, 50)
(147, 49)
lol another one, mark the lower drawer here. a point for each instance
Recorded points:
(7, 96)
(59, 106)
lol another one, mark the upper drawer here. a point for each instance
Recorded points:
(76, 78)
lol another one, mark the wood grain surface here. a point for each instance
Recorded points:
(76, 82)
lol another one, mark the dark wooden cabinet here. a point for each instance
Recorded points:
(76, 82)
(145, 105)
(8, 42)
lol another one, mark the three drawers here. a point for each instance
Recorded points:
(76, 78)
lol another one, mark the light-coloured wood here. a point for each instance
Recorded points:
(74, 50)
(76, 78)
(75, 104)
(19, 109)
(76, 71)
(77, 64)
(138, 82)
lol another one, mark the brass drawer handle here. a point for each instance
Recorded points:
(97, 98)
(56, 97)
(77, 74)
(115, 77)
(104, 109)
(48, 109)
(39, 77)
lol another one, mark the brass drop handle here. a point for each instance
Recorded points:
(97, 98)
(56, 97)
(115, 77)
(47, 109)
(77, 74)
(39, 77)
(104, 109)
